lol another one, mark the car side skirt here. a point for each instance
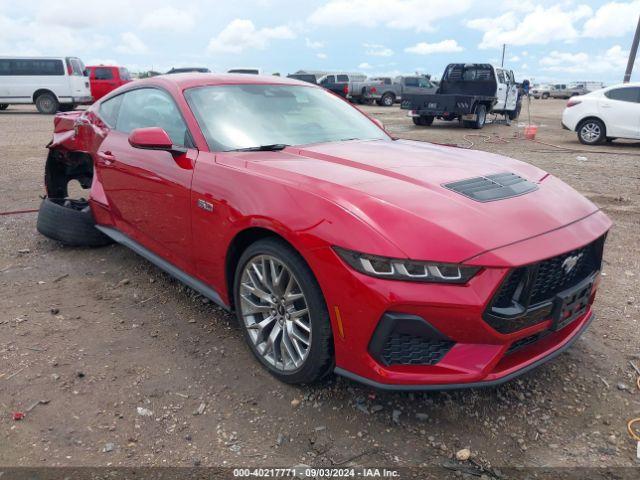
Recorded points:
(161, 263)
(460, 386)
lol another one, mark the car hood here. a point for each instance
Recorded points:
(397, 188)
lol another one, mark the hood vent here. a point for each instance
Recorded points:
(492, 187)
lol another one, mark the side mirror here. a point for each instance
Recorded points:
(153, 138)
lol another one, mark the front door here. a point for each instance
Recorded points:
(501, 90)
(149, 190)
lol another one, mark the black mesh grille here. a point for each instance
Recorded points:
(552, 277)
(526, 341)
(525, 297)
(406, 349)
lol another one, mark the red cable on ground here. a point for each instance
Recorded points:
(17, 212)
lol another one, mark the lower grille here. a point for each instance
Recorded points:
(406, 349)
(526, 341)
(526, 296)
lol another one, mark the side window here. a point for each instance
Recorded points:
(411, 82)
(102, 73)
(343, 78)
(500, 75)
(424, 83)
(109, 110)
(625, 94)
(124, 74)
(150, 107)
(5, 67)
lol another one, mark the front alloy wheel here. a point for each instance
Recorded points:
(282, 312)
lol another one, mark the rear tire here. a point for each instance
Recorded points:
(70, 222)
(591, 132)
(47, 103)
(481, 118)
(387, 100)
(266, 335)
(545, 96)
(4, 106)
(423, 120)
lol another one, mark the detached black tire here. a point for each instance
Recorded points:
(4, 106)
(47, 103)
(70, 222)
(514, 114)
(264, 313)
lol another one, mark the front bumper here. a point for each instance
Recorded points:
(493, 380)
(479, 354)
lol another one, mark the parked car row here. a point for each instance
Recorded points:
(562, 90)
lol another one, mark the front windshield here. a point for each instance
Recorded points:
(236, 117)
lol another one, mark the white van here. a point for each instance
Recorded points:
(52, 83)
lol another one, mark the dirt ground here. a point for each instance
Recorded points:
(89, 336)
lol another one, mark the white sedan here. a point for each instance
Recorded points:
(605, 115)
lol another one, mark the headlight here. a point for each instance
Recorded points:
(407, 270)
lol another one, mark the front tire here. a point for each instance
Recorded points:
(592, 132)
(47, 103)
(282, 312)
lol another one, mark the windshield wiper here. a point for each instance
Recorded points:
(274, 147)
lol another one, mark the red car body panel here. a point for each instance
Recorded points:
(106, 78)
(377, 197)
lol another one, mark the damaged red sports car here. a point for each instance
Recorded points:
(400, 264)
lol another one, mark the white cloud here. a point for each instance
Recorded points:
(419, 15)
(514, 58)
(585, 64)
(613, 19)
(321, 55)
(377, 50)
(313, 44)
(130, 43)
(168, 18)
(445, 46)
(365, 66)
(242, 34)
(541, 26)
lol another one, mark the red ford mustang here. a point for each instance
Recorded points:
(400, 264)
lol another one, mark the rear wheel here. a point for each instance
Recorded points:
(282, 312)
(481, 118)
(4, 106)
(591, 132)
(423, 120)
(387, 100)
(47, 103)
(545, 96)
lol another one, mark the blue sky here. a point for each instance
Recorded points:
(546, 40)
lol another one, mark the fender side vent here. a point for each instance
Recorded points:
(492, 187)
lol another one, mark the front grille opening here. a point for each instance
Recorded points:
(527, 293)
(526, 341)
(407, 349)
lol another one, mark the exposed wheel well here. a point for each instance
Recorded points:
(586, 119)
(238, 245)
(63, 166)
(39, 92)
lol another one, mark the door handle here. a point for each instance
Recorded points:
(107, 157)
(605, 105)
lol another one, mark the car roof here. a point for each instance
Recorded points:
(189, 80)
(620, 85)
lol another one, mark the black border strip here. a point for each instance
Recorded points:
(159, 262)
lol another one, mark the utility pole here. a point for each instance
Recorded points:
(504, 46)
(632, 54)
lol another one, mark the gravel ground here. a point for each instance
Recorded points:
(115, 363)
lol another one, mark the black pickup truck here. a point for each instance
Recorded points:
(468, 92)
